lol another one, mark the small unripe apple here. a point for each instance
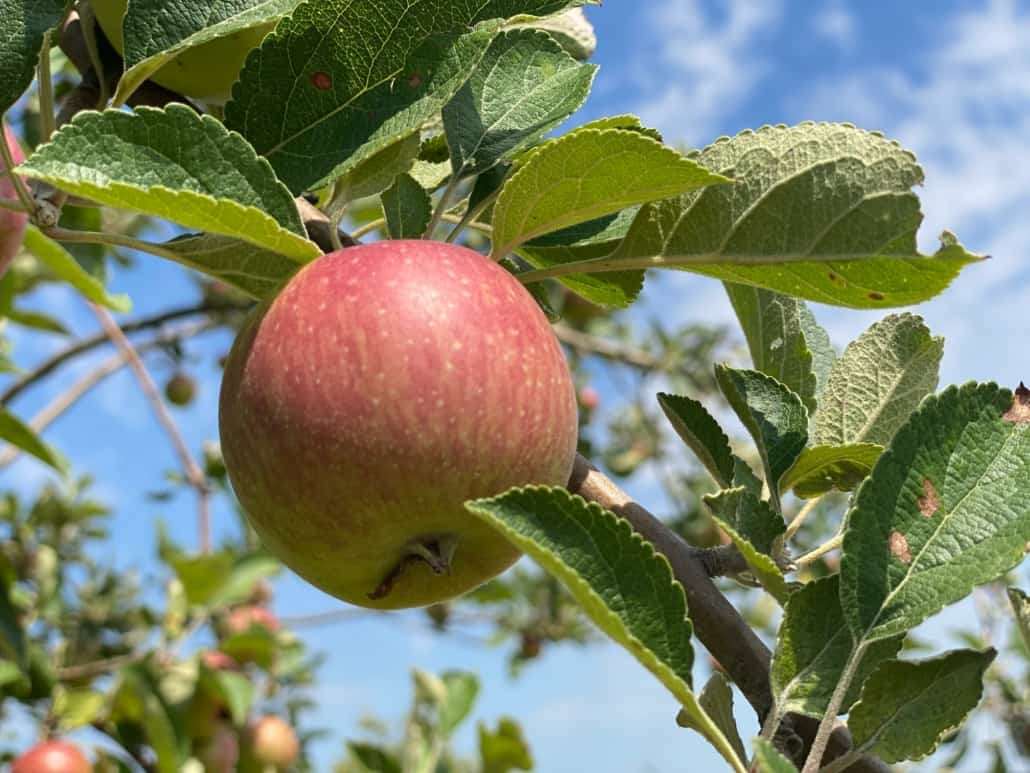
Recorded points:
(242, 618)
(589, 398)
(12, 224)
(206, 72)
(180, 390)
(52, 757)
(219, 661)
(386, 385)
(271, 741)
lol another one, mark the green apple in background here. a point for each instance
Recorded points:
(12, 224)
(382, 388)
(206, 72)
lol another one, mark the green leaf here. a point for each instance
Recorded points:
(23, 26)
(756, 530)
(622, 584)
(156, 32)
(768, 759)
(76, 708)
(258, 272)
(717, 701)
(572, 30)
(584, 175)
(375, 758)
(35, 320)
(237, 691)
(774, 416)
(408, 209)
(583, 241)
(356, 84)
(1021, 607)
(945, 509)
(255, 645)
(504, 749)
(176, 164)
(823, 212)
(9, 673)
(64, 267)
(813, 647)
(12, 637)
(20, 435)
(823, 353)
(462, 691)
(203, 576)
(523, 88)
(878, 382)
(908, 707)
(823, 468)
(775, 335)
(702, 433)
(376, 174)
(243, 578)
(139, 698)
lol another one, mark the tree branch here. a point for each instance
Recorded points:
(610, 350)
(716, 621)
(194, 474)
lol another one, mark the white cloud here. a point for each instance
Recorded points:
(835, 24)
(709, 63)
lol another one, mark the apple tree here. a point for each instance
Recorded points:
(422, 271)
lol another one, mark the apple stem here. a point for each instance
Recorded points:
(436, 552)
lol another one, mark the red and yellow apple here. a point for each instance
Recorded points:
(384, 386)
(12, 224)
(206, 72)
(52, 757)
(271, 742)
(242, 618)
(221, 751)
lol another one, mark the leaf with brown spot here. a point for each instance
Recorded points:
(929, 502)
(960, 459)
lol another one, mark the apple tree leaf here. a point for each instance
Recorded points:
(525, 85)
(823, 212)
(156, 31)
(573, 31)
(462, 692)
(234, 690)
(504, 749)
(138, 698)
(945, 509)
(23, 26)
(77, 707)
(63, 266)
(258, 272)
(244, 576)
(376, 174)
(823, 353)
(14, 431)
(824, 468)
(356, 85)
(774, 416)
(878, 382)
(756, 530)
(702, 433)
(621, 583)
(176, 164)
(375, 758)
(812, 649)
(717, 700)
(584, 175)
(906, 707)
(408, 209)
(769, 759)
(202, 576)
(1021, 607)
(775, 334)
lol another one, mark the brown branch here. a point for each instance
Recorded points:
(716, 621)
(88, 344)
(610, 350)
(73, 394)
(319, 227)
(194, 474)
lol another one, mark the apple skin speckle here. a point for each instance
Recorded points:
(369, 400)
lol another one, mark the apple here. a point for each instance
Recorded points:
(220, 752)
(272, 742)
(180, 390)
(242, 618)
(589, 398)
(12, 224)
(384, 386)
(52, 757)
(206, 72)
(219, 661)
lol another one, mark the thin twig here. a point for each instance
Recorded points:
(47, 367)
(194, 474)
(441, 206)
(799, 519)
(827, 547)
(46, 91)
(60, 404)
(610, 350)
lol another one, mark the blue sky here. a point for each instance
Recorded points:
(950, 79)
